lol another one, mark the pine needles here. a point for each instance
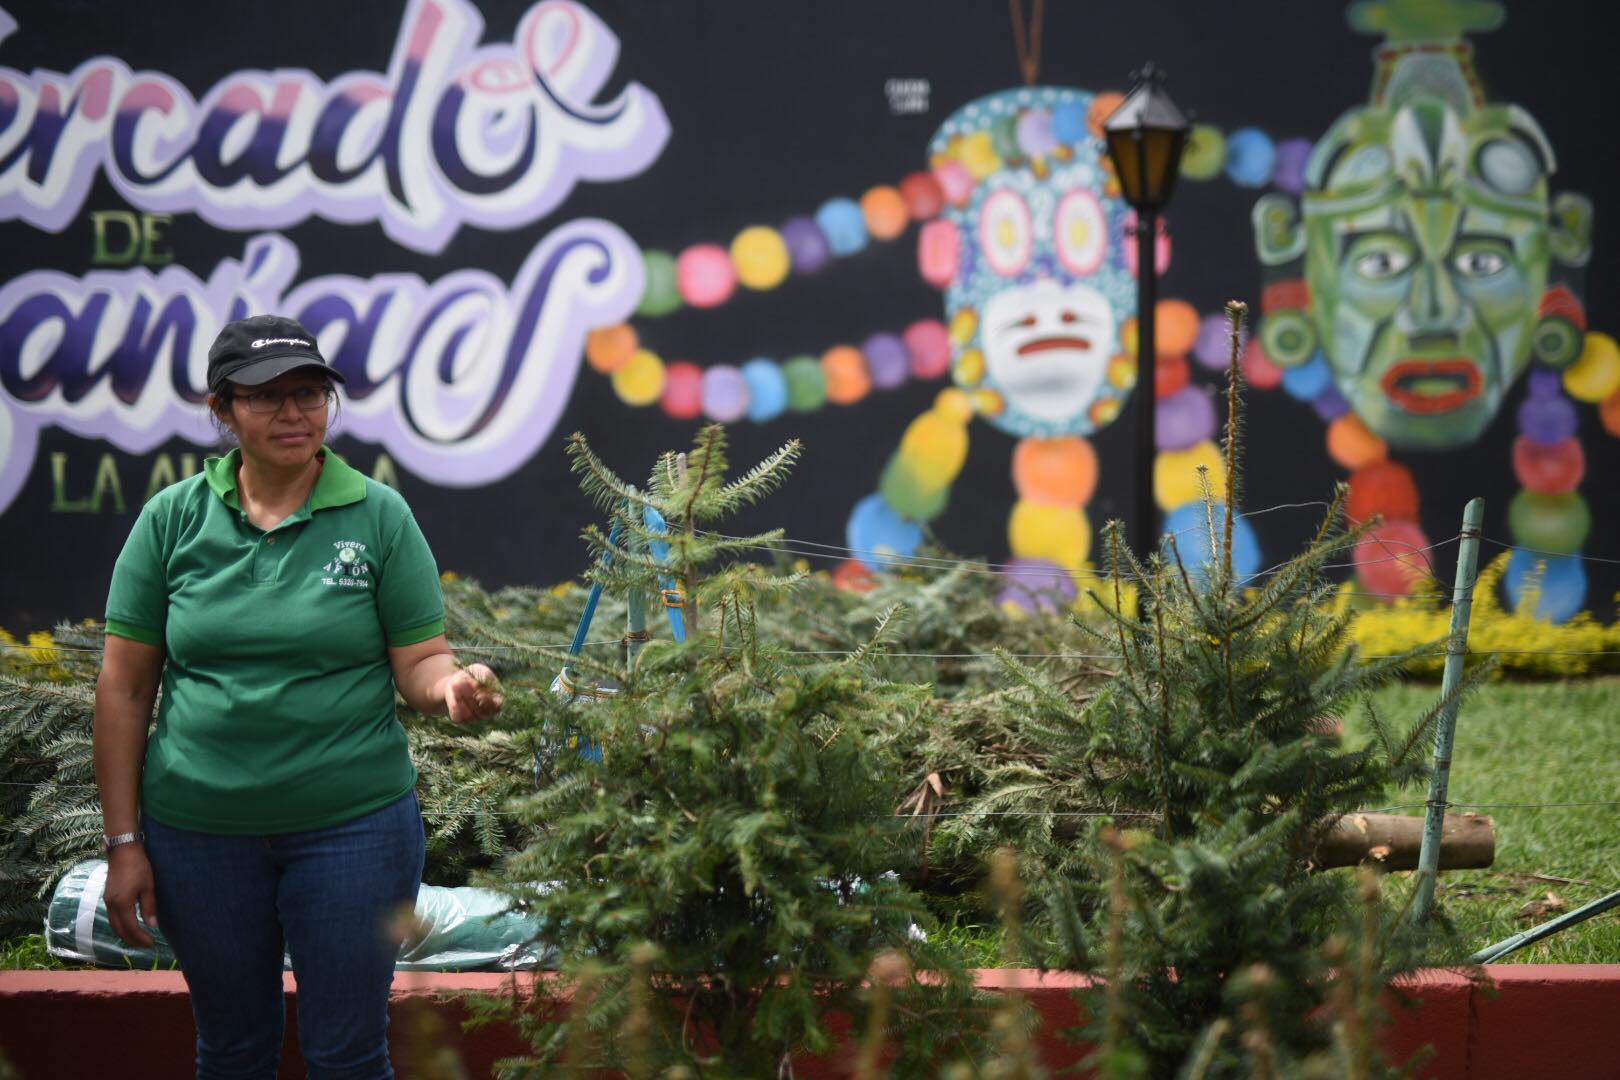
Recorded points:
(724, 876)
(1223, 721)
(50, 817)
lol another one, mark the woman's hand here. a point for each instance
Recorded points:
(129, 885)
(432, 683)
(472, 693)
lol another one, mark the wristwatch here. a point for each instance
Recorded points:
(110, 842)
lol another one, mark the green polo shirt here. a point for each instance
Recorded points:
(277, 713)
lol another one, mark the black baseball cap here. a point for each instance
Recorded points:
(251, 352)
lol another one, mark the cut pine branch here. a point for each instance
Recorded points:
(1392, 842)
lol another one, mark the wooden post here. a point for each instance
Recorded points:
(1462, 606)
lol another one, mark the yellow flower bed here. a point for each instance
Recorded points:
(1523, 644)
(35, 660)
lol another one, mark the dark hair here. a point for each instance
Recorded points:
(219, 403)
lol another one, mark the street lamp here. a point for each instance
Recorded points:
(1146, 135)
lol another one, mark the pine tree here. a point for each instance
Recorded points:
(721, 878)
(1221, 728)
(50, 817)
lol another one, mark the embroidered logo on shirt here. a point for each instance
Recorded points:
(349, 567)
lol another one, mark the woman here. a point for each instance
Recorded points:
(281, 597)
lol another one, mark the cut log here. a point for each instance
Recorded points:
(1468, 842)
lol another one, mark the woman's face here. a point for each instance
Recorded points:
(269, 424)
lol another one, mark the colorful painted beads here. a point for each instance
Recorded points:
(1212, 346)
(1393, 559)
(1258, 369)
(1351, 444)
(886, 360)
(1384, 488)
(762, 389)
(1176, 475)
(641, 380)
(1549, 468)
(1551, 587)
(1184, 419)
(1189, 525)
(761, 257)
(725, 394)
(806, 384)
(705, 276)
(847, 377)
(884, 210)
(660, 291)
(609, 348)
(808, 250)
(842, 222)
(1558, 523)
(683, 391)
(929, 347)
(1595, 375)
(1055, 534)
(767, 389)
(1060, 472)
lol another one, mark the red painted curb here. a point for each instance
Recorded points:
(1547, 1020)
(1539, 1021)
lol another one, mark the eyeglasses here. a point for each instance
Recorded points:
(307, 398)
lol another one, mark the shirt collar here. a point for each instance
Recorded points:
(339, 483)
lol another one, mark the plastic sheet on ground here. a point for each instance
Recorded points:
(456, 929)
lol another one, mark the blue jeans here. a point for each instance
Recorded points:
(229, 904)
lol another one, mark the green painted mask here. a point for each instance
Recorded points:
(1426, 231)
(1426, 257)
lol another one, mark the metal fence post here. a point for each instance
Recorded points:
(1462, 606)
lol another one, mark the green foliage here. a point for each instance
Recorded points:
(689, 491)
(721, 879)
(464, 782)
(50, 817)
(27, 952)
(1221, 729)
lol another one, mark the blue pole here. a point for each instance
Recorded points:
(1462, 606)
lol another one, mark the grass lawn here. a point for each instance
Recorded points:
(27, 953)
(1533, 743)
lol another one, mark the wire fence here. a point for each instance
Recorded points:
(877, 652)
(43, 655)
(874, 652)
(1588, 804)
(888, 560)
(1415, 557)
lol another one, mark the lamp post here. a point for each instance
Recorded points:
(1146, 135)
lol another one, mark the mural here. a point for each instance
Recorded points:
(462, 378)
(1423, 269)
(522, 190)
(1414, 262)
(1035, 257)
(1021, 225)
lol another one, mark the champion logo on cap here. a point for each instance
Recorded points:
(255, 350)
